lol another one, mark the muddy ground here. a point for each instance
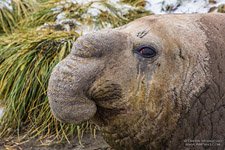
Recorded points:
(88, 143)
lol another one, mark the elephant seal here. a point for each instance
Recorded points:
(155, 83)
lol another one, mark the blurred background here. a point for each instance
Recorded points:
(35, 35)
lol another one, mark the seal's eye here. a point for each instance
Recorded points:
(146, 51)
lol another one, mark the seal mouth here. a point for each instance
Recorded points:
(103, 115)
(105, 95)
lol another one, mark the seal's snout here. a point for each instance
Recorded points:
(87, 46)
(77, 73)
(66, 97)
(66, 90)
(98, 44)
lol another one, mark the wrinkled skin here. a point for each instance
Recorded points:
(147, 103)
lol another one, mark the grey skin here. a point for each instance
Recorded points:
(161, 102)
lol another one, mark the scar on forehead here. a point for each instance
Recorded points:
(142, 33)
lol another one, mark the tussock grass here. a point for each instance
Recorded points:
(22, 8)
(9, 17)
(221, 8)
(28, 61)
(40, 16)
(7, 20)
(136, 3)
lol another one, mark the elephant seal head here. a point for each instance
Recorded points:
(135, 81)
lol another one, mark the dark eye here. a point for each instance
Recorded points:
(146, 51)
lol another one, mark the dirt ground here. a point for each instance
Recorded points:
(88, 143)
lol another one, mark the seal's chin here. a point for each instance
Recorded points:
(73, 110)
